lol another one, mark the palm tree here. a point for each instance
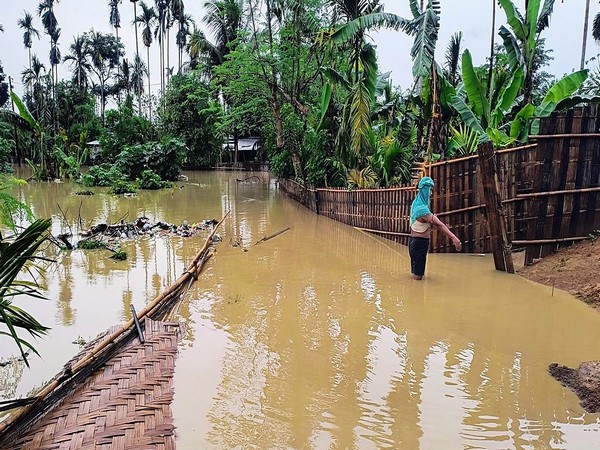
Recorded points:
(185, 23)
(78, 59)
(162, 20)
(115, 19)
(26, 24)
(35, 77)
(357, 18)
(139, 72)
(46, 12)
(147, 19)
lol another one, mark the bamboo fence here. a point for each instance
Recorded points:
(549, 188)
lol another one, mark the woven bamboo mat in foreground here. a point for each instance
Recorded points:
(124, 405)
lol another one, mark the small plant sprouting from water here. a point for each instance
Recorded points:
(119, 254)
(90, 244)
(80, 341)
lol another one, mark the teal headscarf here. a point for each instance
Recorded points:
(420, 205)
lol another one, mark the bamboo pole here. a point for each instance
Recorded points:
(549, 193)
(82, 363)
(266, 238)
(566, 136)
(391, 233)
(549, 241)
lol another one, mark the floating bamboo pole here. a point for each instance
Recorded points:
(191, 271)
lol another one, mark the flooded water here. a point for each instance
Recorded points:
(319, 338)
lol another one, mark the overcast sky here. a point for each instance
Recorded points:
(472, 17)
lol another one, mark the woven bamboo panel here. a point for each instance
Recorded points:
(123, 405)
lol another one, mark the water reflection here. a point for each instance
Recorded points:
(319, 338)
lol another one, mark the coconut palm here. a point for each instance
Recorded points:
(356, 18)
(29, 31)
(147, 19)
(78, 59)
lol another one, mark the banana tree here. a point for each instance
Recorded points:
(521, 44)
(559, 96)
(475, 108)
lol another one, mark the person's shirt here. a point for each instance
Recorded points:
(420, 227)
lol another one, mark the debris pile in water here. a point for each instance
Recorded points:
(100, 235)
(143, 226)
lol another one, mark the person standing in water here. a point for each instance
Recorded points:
(421, 221)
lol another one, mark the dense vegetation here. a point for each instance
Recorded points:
(299, 74)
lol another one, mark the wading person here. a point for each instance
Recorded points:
(421, 221)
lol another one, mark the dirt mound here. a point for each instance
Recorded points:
(573, 269)
(584, 381)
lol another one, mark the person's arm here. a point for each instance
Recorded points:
(434, 220)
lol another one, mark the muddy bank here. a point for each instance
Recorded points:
(573, 269)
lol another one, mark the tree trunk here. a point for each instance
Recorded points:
(137, 52)
(585, 32)
(149, 102)
(490, 69)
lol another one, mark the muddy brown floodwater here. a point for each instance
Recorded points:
(319, 338)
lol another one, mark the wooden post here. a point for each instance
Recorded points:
(496, 217)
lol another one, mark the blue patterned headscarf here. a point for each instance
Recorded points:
(420, 205)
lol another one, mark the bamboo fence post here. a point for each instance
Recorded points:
(501, 247)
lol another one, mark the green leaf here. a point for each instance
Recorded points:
(531, 16)
(513, 52)
(513, 19)
(519, 126)
(367, 22)
(467, 115)
(565, 87)
(507, 98)
(475, 91)
(544, 17)
(24, 112)
(325, 99)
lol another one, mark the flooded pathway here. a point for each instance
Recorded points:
(319, 338)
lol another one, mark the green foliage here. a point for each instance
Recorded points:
(102, 175)
(149, 180)
(5, 152)
(189, 114)
(122, 187)
(90, 244)
(10, 207)
(363, 179)
(14, 255)
(123, 129)
(119, 255)
(77, 115)
(464, 141)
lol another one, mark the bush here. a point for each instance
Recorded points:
(149, 180)
(122, 187)
(102, 175)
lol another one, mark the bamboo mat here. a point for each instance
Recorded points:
(125, 404)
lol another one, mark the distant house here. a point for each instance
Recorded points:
(95, 149)
(247, 149)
